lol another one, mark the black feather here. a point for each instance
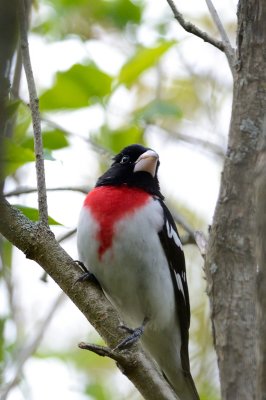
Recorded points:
(176, 262)
(122, 173)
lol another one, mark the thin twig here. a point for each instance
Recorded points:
(201, 242)
(27, 190)
(14, 94)
(31, 347)
(187, 239)
(185, 225)
(66, 235)
(189, 27)
(36, 119)
(97, 147)
(228, 49)
(102, 351)
(17, 75)
(214, 148)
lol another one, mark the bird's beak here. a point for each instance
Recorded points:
(147, 162)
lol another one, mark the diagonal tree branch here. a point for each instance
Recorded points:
(38, 243)
(189, 27)
(36, 119)
(96, 146)
(214, 148)
(228, 49)
(27, 190)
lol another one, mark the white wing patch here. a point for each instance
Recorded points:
(171, 233)
(180, 285)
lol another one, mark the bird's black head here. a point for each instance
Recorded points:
(134, 166)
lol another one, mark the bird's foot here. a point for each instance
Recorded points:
(134, 335)
(87, 275)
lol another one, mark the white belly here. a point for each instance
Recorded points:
(133, 272)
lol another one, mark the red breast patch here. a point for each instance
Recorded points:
(108, 204)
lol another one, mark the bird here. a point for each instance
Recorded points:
(128, 241)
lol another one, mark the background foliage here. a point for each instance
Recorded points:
(126, 74)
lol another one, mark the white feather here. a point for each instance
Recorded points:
(180, 285)
(172, 234)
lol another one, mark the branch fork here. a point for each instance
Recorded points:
(224, 45)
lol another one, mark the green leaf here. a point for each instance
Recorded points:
(33, 214)
(121, 12)
(79, 17)
(14, 156)
(7, 253)
(78, 87)
(144, 59)
(22, 124)
(97, 391)
(158, 108)
(119, 138)
(186, 93)
(53, 140)
(12, 107)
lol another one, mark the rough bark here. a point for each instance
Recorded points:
(230, 260)
(260, 221)
(38, 243)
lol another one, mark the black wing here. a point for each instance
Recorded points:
(172, 246)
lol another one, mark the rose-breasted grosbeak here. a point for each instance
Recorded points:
(128, 239)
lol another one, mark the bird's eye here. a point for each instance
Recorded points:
(124, 160)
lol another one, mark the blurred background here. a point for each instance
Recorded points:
(109, 73)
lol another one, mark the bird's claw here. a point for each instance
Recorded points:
(87, 275)
(131, 339)
(126, 328)
(134, 335)
(81, 265)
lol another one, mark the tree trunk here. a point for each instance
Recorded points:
(260, 220)
(230, 261)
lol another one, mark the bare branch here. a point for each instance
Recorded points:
(201, 242)
(36, 119)
(187, 239)
(228, 49)
(30, 348)
(27, 190)
(189, 27)
(97, 147)
(119, 357)
(214, 148)
(17, 75)
(66, 235)
(179, 219)
(102, 351)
